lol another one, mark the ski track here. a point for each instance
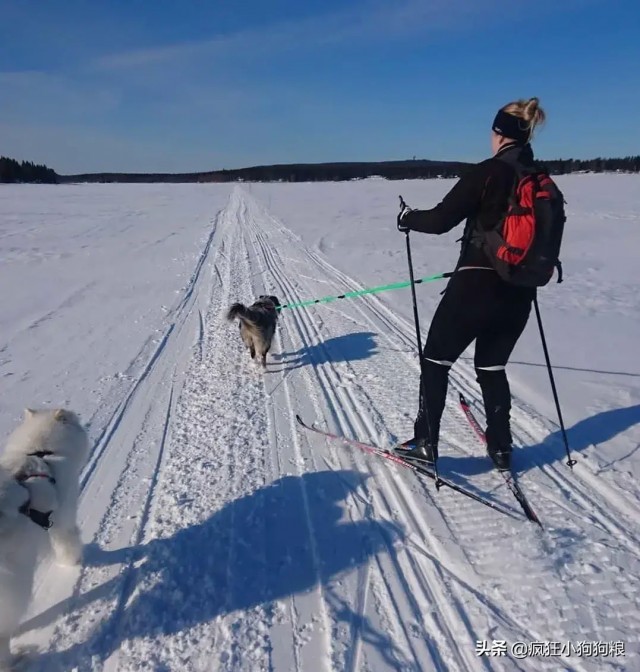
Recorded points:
(229, 539)
(121, 470)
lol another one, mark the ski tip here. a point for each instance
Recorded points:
(303, 424)
(462, 399)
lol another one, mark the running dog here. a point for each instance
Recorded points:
(257, 324)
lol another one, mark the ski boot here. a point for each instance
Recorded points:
(501, 457)
(418, 449)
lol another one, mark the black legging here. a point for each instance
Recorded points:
(477, 305)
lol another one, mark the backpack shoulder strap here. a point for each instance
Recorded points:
(522, 161)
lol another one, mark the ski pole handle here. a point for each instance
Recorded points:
(404, 209)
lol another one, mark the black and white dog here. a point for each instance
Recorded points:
(257, 324)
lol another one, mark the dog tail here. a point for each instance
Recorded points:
(240, 311)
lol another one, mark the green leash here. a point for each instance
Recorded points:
(361, 292)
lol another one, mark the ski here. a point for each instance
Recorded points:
(398, 459)
(509, 477)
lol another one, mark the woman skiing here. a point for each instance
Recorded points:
(477, 304)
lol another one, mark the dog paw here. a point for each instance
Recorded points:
(67, 546)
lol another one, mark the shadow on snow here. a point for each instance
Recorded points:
(282, 540)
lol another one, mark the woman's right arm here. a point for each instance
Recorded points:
(460, 203)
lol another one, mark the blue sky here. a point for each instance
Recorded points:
(141, 85)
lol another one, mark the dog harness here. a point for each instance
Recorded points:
(40, 518)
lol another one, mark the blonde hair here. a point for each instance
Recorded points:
(527, 110)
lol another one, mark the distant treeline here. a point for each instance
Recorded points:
(630, 164)
(300, 172)
(336, 172)
(12, 171)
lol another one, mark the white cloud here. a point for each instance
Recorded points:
(371, 20)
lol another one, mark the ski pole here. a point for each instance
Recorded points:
(416, 319)
(570, 461)
(362, 292)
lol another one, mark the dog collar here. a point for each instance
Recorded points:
(40, 518)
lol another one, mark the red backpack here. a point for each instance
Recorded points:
(524, 247)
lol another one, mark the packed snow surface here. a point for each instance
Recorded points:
(221, 536)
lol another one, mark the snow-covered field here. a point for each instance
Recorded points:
(220, 537)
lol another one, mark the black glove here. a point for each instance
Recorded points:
(404, 210)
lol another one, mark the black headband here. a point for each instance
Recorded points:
(510, 126)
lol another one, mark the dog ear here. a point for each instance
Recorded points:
(28, 413)
(275, 300)
(61, 415)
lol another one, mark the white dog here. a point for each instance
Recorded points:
(20, 544)
(39, 486)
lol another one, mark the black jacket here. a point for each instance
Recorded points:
(480, 196)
